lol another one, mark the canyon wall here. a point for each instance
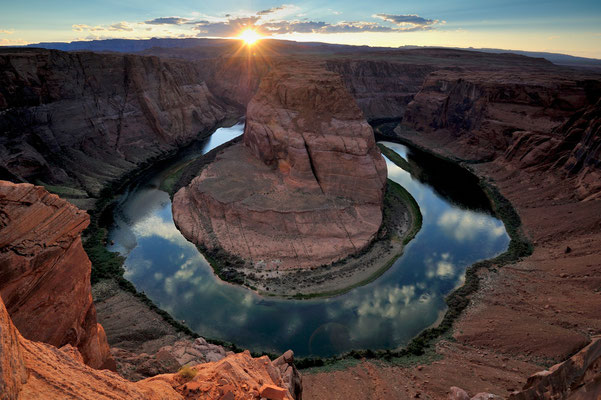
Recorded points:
(382, 89)
(77, 121)
(530, 119)
(45, 272)
(306, 186)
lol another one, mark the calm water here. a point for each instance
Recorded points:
(458, 229)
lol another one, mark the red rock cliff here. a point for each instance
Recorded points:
(45, 272)
(34, 370)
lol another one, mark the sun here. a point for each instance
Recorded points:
(249, 36)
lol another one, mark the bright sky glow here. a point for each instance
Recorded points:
(249, 36)
(572, 27)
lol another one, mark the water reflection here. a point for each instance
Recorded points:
(384, 314)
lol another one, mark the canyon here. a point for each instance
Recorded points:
(531, 128)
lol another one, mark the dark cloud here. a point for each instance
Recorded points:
(231, 27)
(407, 19)
(167, 21)
(271, 10)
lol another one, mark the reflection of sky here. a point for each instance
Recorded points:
(384, 314)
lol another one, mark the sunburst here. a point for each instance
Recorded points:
(249, 36)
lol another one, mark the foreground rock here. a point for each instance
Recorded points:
(579, 377)
(306, 187)
(45, 272)
(33, 370)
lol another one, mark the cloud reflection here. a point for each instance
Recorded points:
(465, 225)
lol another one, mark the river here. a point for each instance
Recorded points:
(458, 229)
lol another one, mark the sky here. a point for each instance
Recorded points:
(569, 27)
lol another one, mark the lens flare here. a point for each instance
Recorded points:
(249, 36)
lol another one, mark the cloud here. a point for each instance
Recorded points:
(467, 225)
(442, 268)
(116, 27)
(233, 26)
(271, 10)
(168, 21)
(120, 26)
(6, 32)
(410, 19)
(80, 27)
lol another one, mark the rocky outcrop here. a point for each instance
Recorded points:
(34, 370)
(77, 121)
(45, 272)
(579, 377)
(305, 188)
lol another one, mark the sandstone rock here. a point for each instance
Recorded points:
(579, 377)
(35, 370)
(483, 111)
(305, 189)
(271, 392)
(45, 273)
(13, 373)
(458, 394)
(382, 89)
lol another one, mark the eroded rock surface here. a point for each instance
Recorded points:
(305, 188)
(35, 370)
(45, 272)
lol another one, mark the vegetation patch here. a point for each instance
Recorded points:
(187, 373)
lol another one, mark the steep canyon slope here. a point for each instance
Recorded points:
(77, 121)
(35, 370)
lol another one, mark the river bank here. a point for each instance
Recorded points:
(523, 317)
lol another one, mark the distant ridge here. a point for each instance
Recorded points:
(138, 45)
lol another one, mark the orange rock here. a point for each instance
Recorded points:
(35, 370)
(45, 272)
(272, 392)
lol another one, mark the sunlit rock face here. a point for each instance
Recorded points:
(35, 370)
(305, 188)
(45, 272)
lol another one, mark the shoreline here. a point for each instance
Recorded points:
(402, 220)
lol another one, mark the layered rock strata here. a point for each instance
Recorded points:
(77, 121)
(34, 370)
(45, 272)
(306, 186)
(543, 120)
